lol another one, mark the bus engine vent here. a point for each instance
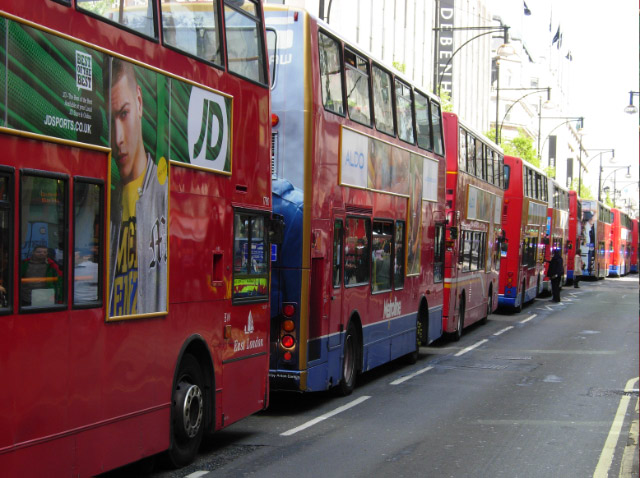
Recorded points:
(352, 208)
(274, 154)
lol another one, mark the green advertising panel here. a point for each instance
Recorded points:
(200, 127)
(54, 86)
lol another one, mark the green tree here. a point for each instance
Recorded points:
(445, 100)
(521, 146)
(401, 67)
(607, 199)
(585, 192)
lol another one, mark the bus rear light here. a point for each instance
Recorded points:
(288, 326)
(287, 341)
(287, 356)
(288, 310)
(275, 119)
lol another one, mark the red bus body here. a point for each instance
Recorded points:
(557, 232)
(621, 236)
(575, 233)
(634, 247)
(86, 390)
(597, 245)
(524, 218)
(474, 195)
(336, 311)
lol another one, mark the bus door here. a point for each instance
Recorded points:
(337, 286)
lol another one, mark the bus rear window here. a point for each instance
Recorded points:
(250, 259)
(139, 17)
(192, 28)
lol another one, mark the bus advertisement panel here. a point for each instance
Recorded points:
(134, 172)
(474, 197)
(524, 218)
(362, 280)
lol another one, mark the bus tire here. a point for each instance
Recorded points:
(460, 325)
(349, 359)
(485, 319)
(187, 412)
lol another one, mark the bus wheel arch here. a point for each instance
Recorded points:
(192, 402)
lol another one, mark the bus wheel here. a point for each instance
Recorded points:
(458, 333)
(349, 369)
(188, 413)
(489, 307)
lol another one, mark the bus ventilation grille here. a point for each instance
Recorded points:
(274, 154)
(353, 209)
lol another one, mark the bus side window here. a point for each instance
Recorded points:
(87, 243)
(436, 126)
(250, 266)
(381, 255)
(438, 254)
(139, 18)
(398, 256)
(331, 74)
(338, 233)
(43, 233)
(357, 251)
(245, 50)
(404, 112)
(423, 123)
(6, 235)
(462, 151)
(358, 97)
(383, 101)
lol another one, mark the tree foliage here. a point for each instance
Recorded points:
(584, 193)
(521, 146)
(445, 100)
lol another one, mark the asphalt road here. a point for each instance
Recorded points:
(549, 392)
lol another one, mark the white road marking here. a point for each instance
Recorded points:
(197, 474)
(470, 348)
(532, 316)
(606, 457)
(409, 377)
(330, 414)
(500, 332)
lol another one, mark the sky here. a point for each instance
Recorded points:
(603, 39)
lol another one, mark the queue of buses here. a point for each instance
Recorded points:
(202, 201)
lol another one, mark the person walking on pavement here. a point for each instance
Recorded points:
(555, 271)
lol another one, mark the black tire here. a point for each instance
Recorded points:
(422, 333)
(460, 326)
(485, 319)
(187, 413)
(349, 362)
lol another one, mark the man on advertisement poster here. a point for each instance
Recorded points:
(139, 216)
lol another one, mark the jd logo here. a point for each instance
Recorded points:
(208, 130)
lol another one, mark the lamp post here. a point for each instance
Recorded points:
(489, 30)
(602, 151)
(580, 125)
(628, 175)
(535, 90)
(631, 108)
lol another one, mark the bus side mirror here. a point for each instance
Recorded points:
(453, 232)
(276, 229)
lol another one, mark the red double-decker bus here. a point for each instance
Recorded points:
(524, 219)
(574, 234)
(358, 168)
(596, 238)
(474, 195)
(621, 236)
(633, 268)
(134, 204)
(557, 229)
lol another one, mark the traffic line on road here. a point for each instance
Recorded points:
(410, 376)
(330, 414)
(532, 316)
(470, 348)
(197, 474)
(500, 332)
(606, 457)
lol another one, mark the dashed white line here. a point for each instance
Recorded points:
(409, 377)
(470, 348)
(532, 316)
(500, 332)
(330, 414)
(196, 474)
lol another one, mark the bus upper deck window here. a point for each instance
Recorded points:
(139, 18)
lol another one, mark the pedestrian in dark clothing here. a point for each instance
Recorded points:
(554, 272)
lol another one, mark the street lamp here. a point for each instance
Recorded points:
(599, 155)
(580, 125)
(503, 50)
(535, 90)
(631, 108)
(628, 175)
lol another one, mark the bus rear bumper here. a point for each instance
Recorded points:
(633, 269)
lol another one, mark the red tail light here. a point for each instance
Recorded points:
(288, 310)
(287, 341)
(275, 119)
(288, 325)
